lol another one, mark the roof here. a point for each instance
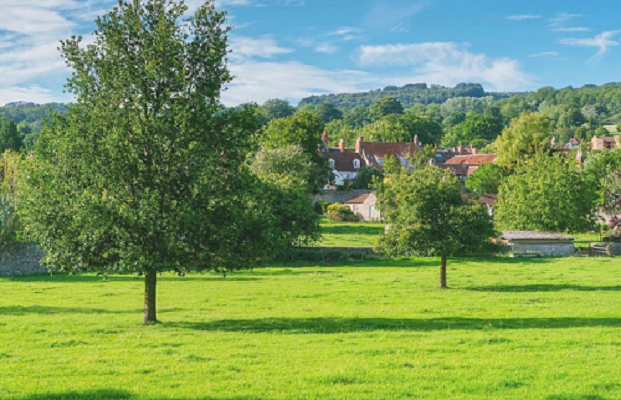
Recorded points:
(359, 199)
(459, 169)
(472, 159)
(382, 149)
(489, 199)
(345, 161)
(535, 235)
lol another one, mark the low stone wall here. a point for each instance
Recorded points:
(339, 196)
(546, 249)
(21, 259)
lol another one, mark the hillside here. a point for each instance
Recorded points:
(408, 95)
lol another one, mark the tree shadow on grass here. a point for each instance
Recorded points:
(89, 278)
(114, 394)
(575, 397)
(544, 288)
(351, 325)
(361, 229)
(25, 310)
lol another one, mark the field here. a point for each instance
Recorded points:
(508, 329)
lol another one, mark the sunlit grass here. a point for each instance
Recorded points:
(508, 329)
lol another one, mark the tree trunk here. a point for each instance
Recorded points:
(150, 282)
(443, 273)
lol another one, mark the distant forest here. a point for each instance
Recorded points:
(463, 115)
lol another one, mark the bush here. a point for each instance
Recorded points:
(341, 212)
(321, 207)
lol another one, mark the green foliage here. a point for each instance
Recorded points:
(486, 179)
(366, 177)
(289, 161)
(341, 212)
(403, 129)
(408, 95)
(527, 136)
(386, 106)
(303, 129)
(327, 113)
(10, 223)
(321, 207)
(276, 109)
(357, 117)
(546, 194)
(476, 130)
(428, 216)
(428, 130)
(601, 168)
(10, 139)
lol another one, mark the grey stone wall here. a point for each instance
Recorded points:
(546, 249)
(339, 196)
(21, 259)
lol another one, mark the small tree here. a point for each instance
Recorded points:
(486, 179)
(10, 139)
(526, 136)
(341, 212)
(428, 216)
(548, 194)
(145, 172)
(365, 177)
(386, 106)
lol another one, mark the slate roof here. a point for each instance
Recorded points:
(535, 235)
(345, 161)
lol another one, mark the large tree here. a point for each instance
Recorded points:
(145, 173)
(428, 216)
(486, 179)
(275, 109)
(526, 136)
(547, 193)
(10, 139)
(386, 106)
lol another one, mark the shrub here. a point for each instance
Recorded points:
(340, 212)
(321, 207)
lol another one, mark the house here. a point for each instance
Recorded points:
(365, 207)
(464, 166)
(548, 244)
(345, 163)
(490, 201)
(605, 142)
(375, 154)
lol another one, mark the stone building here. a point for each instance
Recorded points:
(364, 206)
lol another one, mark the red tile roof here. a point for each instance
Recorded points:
(472, 159)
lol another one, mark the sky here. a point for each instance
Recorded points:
(292, 49)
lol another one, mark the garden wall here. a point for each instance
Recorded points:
(21, 259)
(339, 196)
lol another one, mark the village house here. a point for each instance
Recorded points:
(345, 163)
(464, 166)
(375, 154)
(364, 206)
(605, 142)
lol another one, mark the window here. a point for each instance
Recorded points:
(356, 164)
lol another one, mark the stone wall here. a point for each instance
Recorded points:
(339, 196)
(546, 249)
(21, 259)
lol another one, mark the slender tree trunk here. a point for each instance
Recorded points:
(443, 273)
(150, 283)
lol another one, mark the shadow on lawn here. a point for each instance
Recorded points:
(352, 230)
(345, 325)
(62, 278)
(544, 288)
(114, 394)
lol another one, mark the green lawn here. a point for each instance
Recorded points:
(545, 329)
(350, 234)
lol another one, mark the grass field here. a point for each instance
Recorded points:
(545, 329)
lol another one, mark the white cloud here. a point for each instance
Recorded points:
(447, 63)
(262, 47)
(326, 48)
(603, 42)
(33, 93)
(523, 17)
(260, 81)
(545, 54)
(572, 29)
(394, 15)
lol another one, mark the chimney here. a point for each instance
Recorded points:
(326, 137)
(416, 140)
(460, 149)
(342, 145)
(475, 151)
(360, 144)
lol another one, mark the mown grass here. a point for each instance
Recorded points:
(350, 234)
(545, 329)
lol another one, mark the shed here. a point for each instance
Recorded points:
(365, 207)
(548, 244)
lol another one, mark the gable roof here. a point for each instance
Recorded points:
(392, 149)
(472, 159)
(359, 199)
(345, 161)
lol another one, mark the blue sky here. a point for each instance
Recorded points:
(294, 48)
